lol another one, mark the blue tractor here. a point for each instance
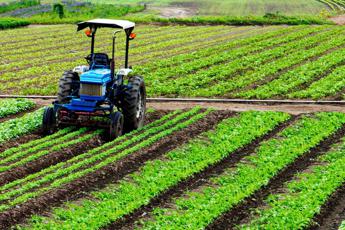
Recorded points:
(96, 94)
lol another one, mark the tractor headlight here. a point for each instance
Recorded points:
(92, 89)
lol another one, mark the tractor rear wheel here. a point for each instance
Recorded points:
(67, 85)
(134, 104)
(49, 121)
(116, 125)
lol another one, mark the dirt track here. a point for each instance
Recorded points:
(238, 107)
(339, 20)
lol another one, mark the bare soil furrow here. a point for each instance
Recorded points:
(332, 213)
(48, 160)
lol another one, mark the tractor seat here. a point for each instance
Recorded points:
(99, 60)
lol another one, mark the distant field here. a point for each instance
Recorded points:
(182, 61)
(239, 7)
(234, 7)
(260, 7)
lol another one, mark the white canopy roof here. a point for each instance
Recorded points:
(122, 24)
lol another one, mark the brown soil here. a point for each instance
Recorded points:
(48, 160)
(108, 174)
(175, 10)
(196, 180)
(56, 157)
(241, 213)
(237, 107)
(339, 20)
(240, 107)
(19, 141)
(332, 213)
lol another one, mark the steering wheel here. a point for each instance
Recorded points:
(89, 59)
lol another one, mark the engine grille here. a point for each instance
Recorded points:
(91, 89)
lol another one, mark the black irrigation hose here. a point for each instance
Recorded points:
(206, 100)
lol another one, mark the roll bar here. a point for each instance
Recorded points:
(94, 24)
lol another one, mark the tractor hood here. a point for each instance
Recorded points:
(97, 76)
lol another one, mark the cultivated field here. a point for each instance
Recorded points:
(197, 168)
(180, 61)
(190, 168)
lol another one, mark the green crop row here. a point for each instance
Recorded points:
(98, 149)
(272, 68)
(304, 196)
(30, 84)
(62, 37)
(302, 74)
(200, 208)
(162, 68)
(179, 61)
(164, 76)
(80, 43)
(55, 53)
(220, 79)
(251, 35)
(59, 67)
(157, 176)
(58, 144)
(13, 154)
(33, 144)
(327, 86)
(7, 23)
(32, 33)
(13, 106)
(136, 56)
(66, 172)
(19, 126)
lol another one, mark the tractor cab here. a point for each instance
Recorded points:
(96, 90)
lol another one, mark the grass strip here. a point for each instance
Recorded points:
(157, 176)
(198, 209)
(9, 23)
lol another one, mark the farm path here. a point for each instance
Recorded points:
(174, 12)
(238, 107)
(339, 20)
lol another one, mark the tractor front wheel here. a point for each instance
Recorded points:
(134, 104)
(49, 121)
(116, 125)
